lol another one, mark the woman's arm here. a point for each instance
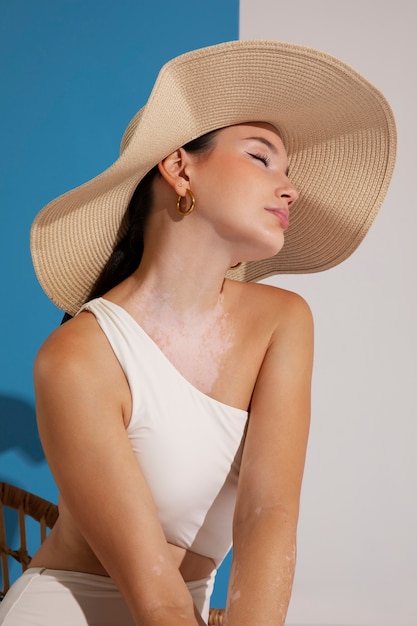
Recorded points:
(264, 544)
(83, 402)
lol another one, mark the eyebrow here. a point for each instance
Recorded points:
(269, 145)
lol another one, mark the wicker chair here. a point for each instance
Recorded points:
(216, 617)
(27, 505)
(46, 513)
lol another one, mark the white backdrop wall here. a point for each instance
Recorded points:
(357, 535)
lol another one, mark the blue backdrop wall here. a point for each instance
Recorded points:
(72, 74)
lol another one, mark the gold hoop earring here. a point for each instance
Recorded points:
(190, 208)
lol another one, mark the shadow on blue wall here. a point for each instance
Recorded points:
(18, 429)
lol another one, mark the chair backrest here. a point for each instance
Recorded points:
(216, 617)
(46, 513)
(27, 505)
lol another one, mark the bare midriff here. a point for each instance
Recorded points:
(66, 549)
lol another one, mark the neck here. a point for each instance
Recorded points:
(181, 305)
(183, 266)
(182, 284)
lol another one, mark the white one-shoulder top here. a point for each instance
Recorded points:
(187, 444)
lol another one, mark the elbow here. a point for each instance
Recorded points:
(271, 521)
(281, 514)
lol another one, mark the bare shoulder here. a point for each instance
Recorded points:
(78, 341)
(278, 309)
(78, 359)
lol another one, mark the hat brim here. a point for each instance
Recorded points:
(338, 130)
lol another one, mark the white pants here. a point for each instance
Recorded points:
(45, 597)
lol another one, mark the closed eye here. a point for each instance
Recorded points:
(260, 157)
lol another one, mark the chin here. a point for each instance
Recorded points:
(270, 249)
(257, 245)
(277, 244)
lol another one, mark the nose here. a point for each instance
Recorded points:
(287, 190)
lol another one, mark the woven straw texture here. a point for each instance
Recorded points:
(338, 130)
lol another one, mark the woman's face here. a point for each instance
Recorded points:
(242, 189)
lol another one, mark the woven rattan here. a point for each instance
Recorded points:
(27, 505)
(216, 617)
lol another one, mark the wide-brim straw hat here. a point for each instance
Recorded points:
(337, 128)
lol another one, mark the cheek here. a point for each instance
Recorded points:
(228, 190)
(231, 182)
(215, 183)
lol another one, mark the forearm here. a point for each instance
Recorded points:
(262, 573)
(169, 616)
(162, 600)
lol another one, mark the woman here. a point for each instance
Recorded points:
(174, 406)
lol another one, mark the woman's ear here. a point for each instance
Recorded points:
(173, 170)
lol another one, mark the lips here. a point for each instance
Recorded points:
(283, 215)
